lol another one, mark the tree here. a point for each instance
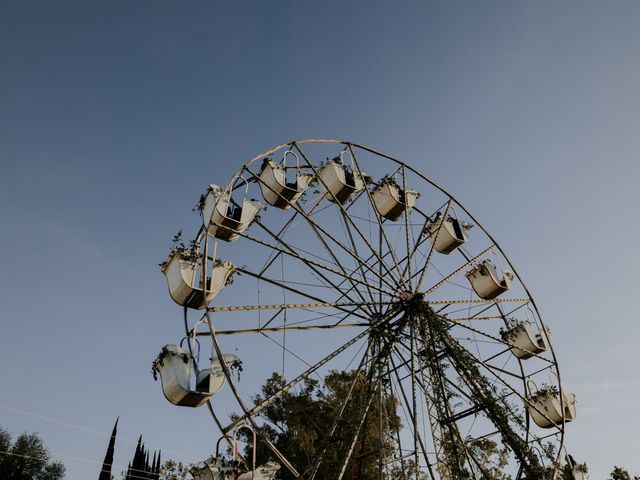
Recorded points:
(141, 467)
(619, 473)
(492, 458)
(105, 473)
(172, 470)
(27, 459)
(296, 423)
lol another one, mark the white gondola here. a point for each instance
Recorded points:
(213, 468)
(391, 201)
(223, 217)
(447, 235)
(276, 190)
(181, 272)
(547, 411)
(525, 341)
(486, 282)
(178, 371)
(217, 468)
(339, 181)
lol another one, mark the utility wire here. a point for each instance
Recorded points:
(47, 459)
(85, 429)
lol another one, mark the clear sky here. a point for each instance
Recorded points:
(115, 115)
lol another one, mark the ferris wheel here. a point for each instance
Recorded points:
(323, 262)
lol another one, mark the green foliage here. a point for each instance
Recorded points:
(27, 459)
(408, 471)
(172, 470)
(511, 330)
(435, 330)
(546, 390)
(298, 424)
(492, 458)
(189, 254)
(199, 206)
(619, 473)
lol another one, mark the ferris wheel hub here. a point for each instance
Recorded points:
(411, 298)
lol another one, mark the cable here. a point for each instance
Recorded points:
(107, 435)
(47, 459)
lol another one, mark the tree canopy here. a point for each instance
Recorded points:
(27, 458)
(619, 473)
(297, 423)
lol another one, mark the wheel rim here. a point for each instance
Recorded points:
(377, 287)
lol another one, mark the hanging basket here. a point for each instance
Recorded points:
(446, 235)
(176, 367)
(213, 468)
(275, 188)
(547, 411)
(524, 341)
(339, 181)
(181, 269)
(224, 218)
(391, 201)
(485, 280)
(177, 370)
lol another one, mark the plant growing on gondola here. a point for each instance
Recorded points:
(511, 328)
(199, 206)
(545, 391)
(189, 254)
(391, 181)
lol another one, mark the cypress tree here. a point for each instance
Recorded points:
(105, 473)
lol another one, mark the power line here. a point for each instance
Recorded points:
(47, 459)
(85, 429)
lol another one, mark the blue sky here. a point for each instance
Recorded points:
(116, 115)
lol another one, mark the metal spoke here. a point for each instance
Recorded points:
(478, 302)
(311, 264)
(284, 328)
(341, 411)
(378, 216)
(365, 411)
(311, 222)
(406, 228)
(227, 373)
(412, 415)
(342, 209)
(294, 290)
(431, 249)
(258, 408)
(234, 308)
(421, 239)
